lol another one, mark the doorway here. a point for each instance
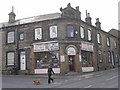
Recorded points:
(22, 60)
(71, 63)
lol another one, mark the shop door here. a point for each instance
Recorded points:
(22, 60)
(71, 63)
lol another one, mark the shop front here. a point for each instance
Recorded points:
(46, 53)
(87, 56)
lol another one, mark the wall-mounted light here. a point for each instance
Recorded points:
(76, 32)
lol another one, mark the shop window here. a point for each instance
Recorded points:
(53, 31)
(86, 58)
(82, 32)
(43, 59)
(70, 31)
(38, 33)
(89, 35)
(10, 58)
(53, 59)
(10, 37)
(99, 38)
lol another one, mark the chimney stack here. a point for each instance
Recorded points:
(98, 24)
(12, 16)
(88, 18)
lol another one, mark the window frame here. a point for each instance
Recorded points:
(89, 35)
(7, 62)
(99, 38)
(21, 33)
(68, 32)
(51, 34)
(82, 33)
(108, 41)
(36, 37)
(12, 36)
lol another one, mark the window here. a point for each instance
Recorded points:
(82, 32)
(21, 36)
(10, 58)
(70, 31)
(115, 44)
(38, 33)
(10, 37)
(45, 58)
(99, 38)
(89, 34)
(100, 57)
(108, 41)
(53, 31)
(86, 58)
(109, 56)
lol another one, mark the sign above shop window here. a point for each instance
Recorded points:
(46, 46)
(71, 51)
(87, 46)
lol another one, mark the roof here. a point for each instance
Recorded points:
(114, 32)
(33, 19)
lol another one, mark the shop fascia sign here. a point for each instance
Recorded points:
(87, 46)
(45, 46)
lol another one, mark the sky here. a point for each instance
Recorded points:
(105, 10)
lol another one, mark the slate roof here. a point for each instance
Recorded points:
(33, 19)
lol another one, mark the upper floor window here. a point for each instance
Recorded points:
(21, 36)
(99, 38)
(108, 41)
(89, 34)
(10, 58)
(10, 37)
(38, 33)
(115, 44)
(82, 32)
(70, 31)
(53, 31)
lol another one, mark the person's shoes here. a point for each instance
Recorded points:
(52, 80)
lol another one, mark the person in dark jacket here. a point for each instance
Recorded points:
(50, 72)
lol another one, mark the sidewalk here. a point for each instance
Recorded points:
(65, 76)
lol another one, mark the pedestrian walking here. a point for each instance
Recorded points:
(50, 72)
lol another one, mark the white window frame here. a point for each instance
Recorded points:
(21, 36)
(82, 32)
(89, 34)
(10, 58)
(99, 38)
(53, 31)
(10, 37)
(38, 33)
(108, 41)
(115, 44)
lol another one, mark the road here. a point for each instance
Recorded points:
(101, 79)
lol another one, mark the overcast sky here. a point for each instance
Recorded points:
(105, 10)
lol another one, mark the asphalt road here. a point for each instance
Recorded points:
(101, 79)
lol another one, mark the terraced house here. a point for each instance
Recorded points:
(63, 40)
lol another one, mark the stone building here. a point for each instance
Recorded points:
(0, 51)
(62, 40)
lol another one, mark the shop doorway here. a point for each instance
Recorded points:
(71, 63)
